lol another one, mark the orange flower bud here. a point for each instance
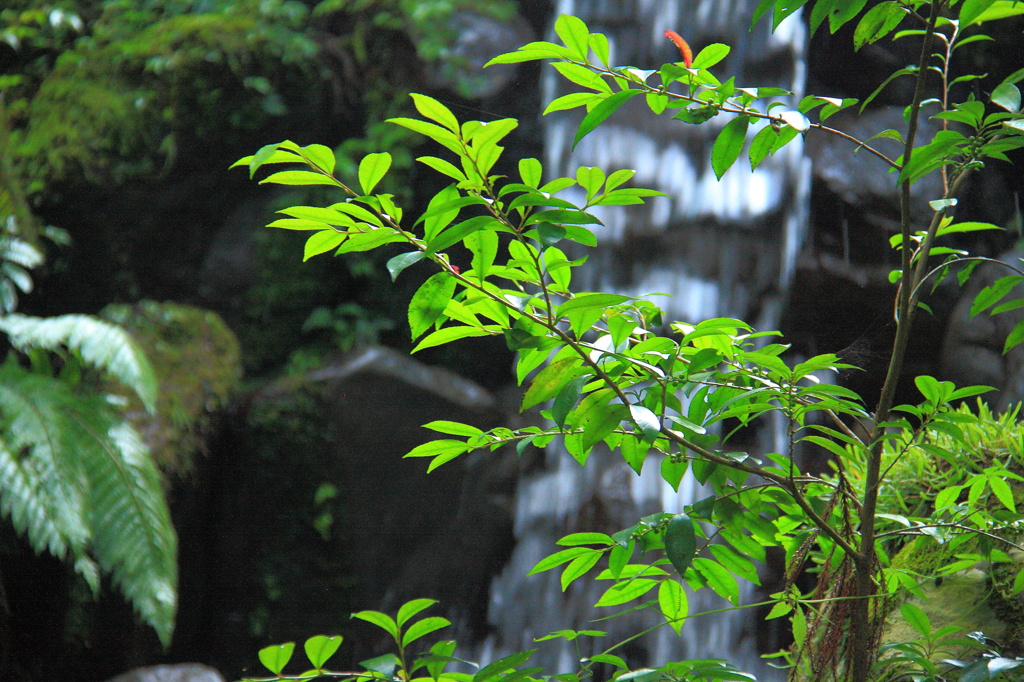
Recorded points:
(684, 49)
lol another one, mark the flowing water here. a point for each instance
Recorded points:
(718, 249)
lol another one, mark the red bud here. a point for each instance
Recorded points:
(684, 49)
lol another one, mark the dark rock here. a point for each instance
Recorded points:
(183, 672)
(861, 180)
(319, 515)
(972, 349)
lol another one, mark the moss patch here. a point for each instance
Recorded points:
(196, 360)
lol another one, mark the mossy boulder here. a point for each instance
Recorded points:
(196, 360)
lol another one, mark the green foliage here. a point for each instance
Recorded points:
(609, 369)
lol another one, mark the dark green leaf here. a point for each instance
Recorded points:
(400, 262)
(680, 542)
(602, 111)
(728, 145)
(429, 302)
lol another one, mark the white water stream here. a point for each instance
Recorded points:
(719, 249)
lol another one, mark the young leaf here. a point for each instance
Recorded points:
(422, 628)
(276, 657)
(411, 608)
(574, 34)
(372, 168)
(381, 620)
(728, 145)
(320, 648)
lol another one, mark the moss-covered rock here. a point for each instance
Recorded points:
(196, 359)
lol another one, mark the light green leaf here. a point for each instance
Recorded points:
(372, 168)
(574, 34)
(710, 55)
(574, 539)
(558, 558)
(320, 648)
(647, 421)
(322, 157)
(673, 603)
(578, 567)
(449, 334)
(719, 579)
(435, 111)
(878, 22)
(625, 591)
(298, 177)
(422, 628)
(322, 242)
(381, 620)
(276, 657)
(916, 618)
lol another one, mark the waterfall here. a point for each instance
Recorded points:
(718, 249)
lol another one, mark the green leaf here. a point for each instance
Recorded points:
(566, 400)
(843, 12)
(435, 111)
(586, 539)
(322, 242)
(558, 558)
(762, 145)
(411, 608)
(739, 565)
(589, 300)
(298, 177)
(320, 156)
(1007, 96)
(503, 665)
(972, 9)
(530, 171)
(276, 657)
(429, 302)
(878, 22)
(400, 262)
(602, 111)
(710, 55)
(447, 449)
(719, 579)
(574, 34)
(680, 542)
(647, 421)
(625, 591)
(453, 429)
(449, 334)
(916, 618)
(673, 603)
(728, 145)
(422, 628)
(381, 620)
(320, 648)
(578, 567)
(994, 293)
(1002, 491)
(372, 168)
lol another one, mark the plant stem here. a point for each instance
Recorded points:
(861, 627)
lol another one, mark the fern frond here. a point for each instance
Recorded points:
(103, 345)
(75, 478)
(133, 538)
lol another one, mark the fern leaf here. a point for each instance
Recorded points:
(82, 482)
(101, 344)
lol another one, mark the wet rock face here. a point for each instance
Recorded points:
(972, 348)
(318, 515)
